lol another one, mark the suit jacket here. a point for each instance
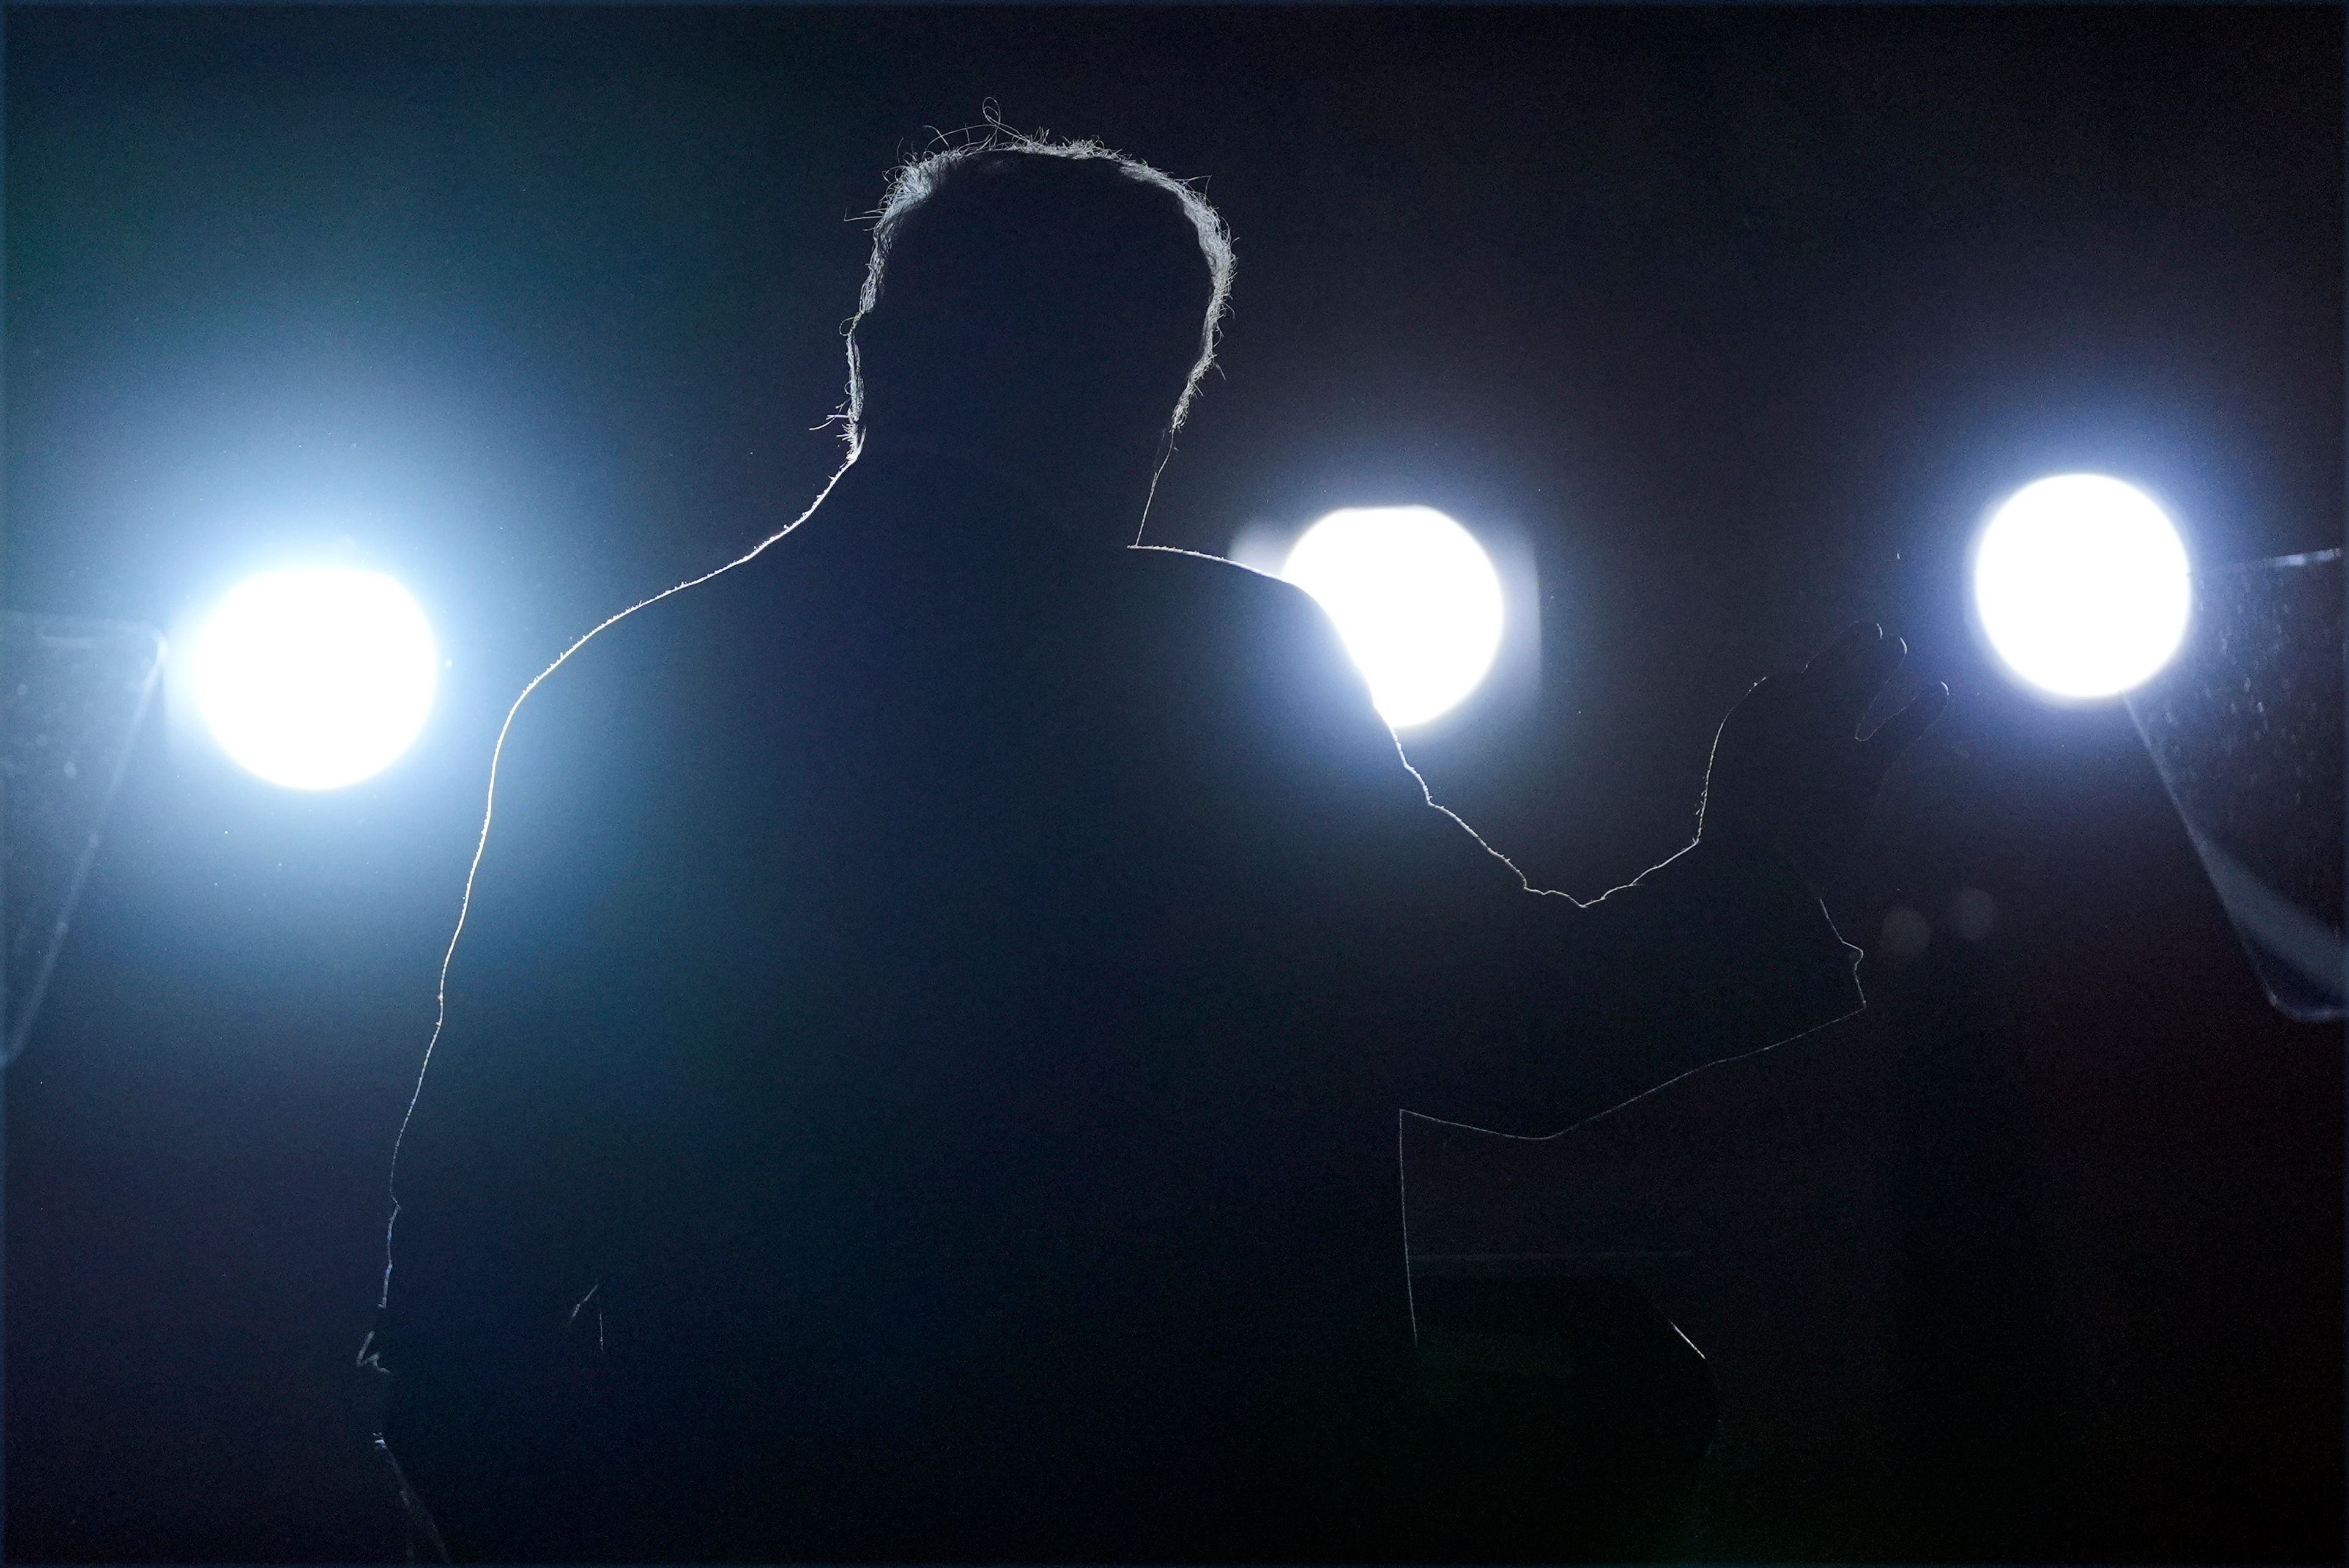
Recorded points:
(922, 1065)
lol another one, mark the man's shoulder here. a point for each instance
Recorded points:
(1196, 572)
(596, 743)
(1244, 611)
(1266, 651)
(651, 663)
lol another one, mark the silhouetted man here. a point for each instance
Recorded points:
(921, 1068)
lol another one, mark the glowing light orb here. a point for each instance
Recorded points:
(2082, 585)
(316, 677)
(1414, 597)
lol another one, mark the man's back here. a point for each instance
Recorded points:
(920, 967)
(921, 1070)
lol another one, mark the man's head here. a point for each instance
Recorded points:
(1036, 299)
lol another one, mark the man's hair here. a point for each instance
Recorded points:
(915, 190)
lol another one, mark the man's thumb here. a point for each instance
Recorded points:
(1893, 737)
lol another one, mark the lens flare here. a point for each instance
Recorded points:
(1414, 597)
(316, 677)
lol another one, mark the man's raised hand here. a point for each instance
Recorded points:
(1789, 770)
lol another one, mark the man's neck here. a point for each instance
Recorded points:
(1079, 499)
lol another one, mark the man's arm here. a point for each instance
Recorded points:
(1521, 1010)
(1548, 1011)
(491, 1330)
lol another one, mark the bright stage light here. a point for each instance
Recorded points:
(2082, 585)
(1415, 599)
(316, 677)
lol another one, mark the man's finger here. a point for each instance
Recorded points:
(1848, 644)
(1844, 679)
(1893, 737)
(1852, 688)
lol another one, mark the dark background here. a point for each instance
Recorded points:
(1735, 320)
